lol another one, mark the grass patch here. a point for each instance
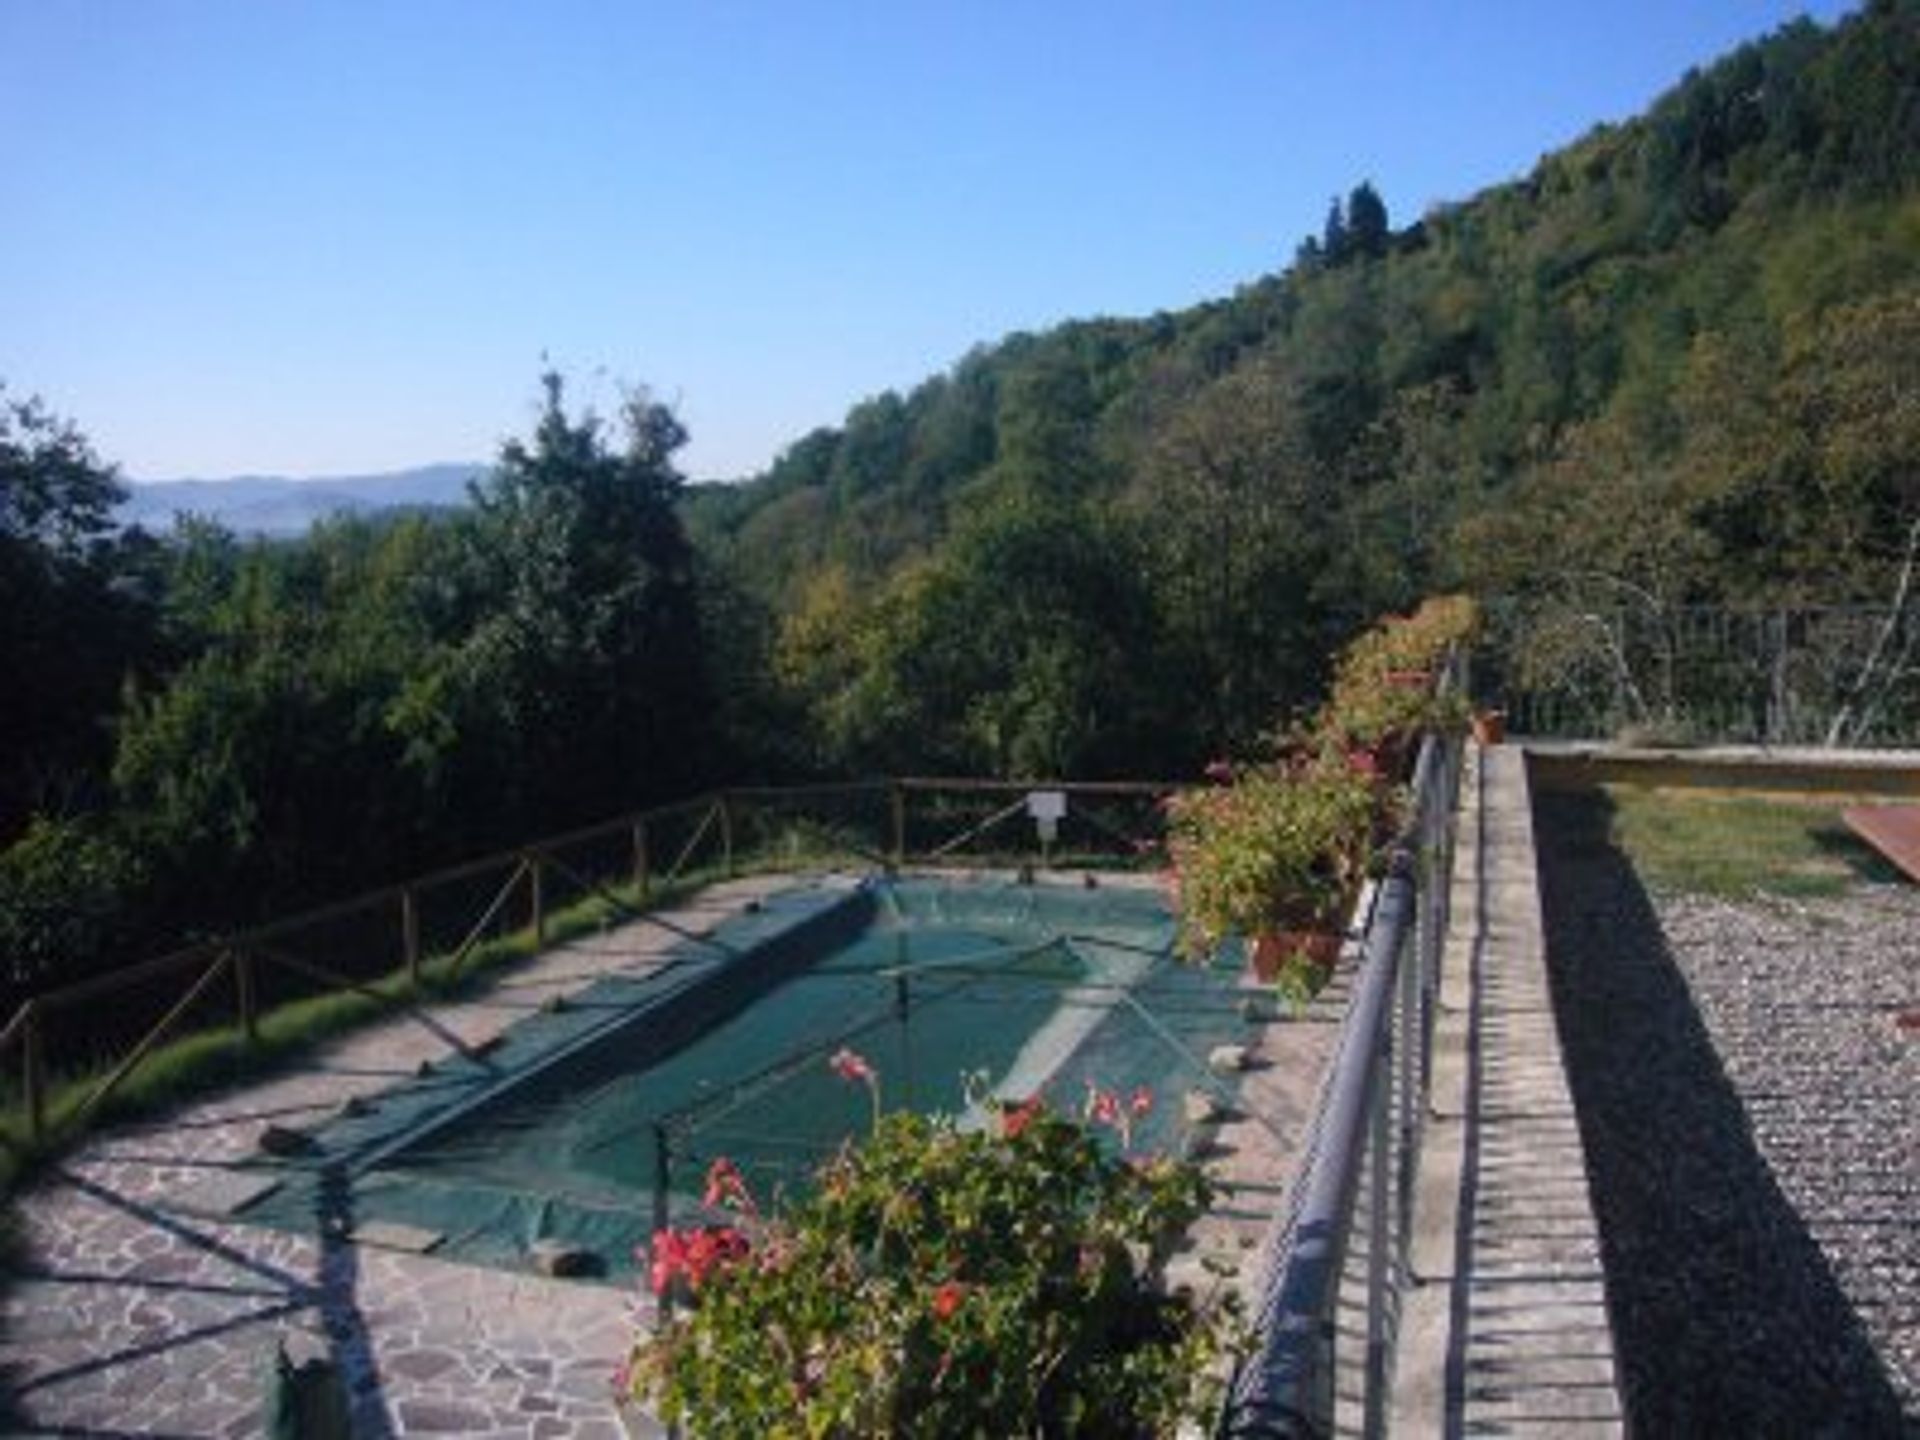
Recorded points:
(1703, 842)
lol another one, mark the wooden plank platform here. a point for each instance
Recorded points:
(1893, 830)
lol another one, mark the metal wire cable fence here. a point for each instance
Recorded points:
(1336, 1266)
(1829, 675)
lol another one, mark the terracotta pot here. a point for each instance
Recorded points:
(1489, 726)
(1271, 950)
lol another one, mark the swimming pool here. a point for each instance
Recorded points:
(589, 1125)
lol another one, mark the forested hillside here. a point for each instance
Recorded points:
(1675, 364)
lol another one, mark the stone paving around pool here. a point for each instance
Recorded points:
(143, 1309)
(137, 1315)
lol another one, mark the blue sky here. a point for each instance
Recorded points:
(313, 238)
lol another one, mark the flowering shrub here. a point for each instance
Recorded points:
(1383, 684)
(1282, 848)
(939, 1282)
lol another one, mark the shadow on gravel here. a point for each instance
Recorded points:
(1727, 1319)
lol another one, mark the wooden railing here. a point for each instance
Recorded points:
(379, 943)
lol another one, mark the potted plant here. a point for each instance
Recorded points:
(1378, 713)
(1275, 858)
(1385, 688)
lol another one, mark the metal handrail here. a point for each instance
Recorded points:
(1291, 1385)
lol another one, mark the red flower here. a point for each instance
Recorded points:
(1103, 1106)
(726, 1186)
(852, 1066)
(669, 1256)
(947, 1299)
(1219, 771)
(1012, 1122)
(694, 1254)
(714, 1245)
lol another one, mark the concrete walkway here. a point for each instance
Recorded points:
(1505, 1329)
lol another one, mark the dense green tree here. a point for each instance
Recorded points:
(54, 491)
(872, 451)
(1221, 498)
(385, 694)
(76, 612)
(271, 767)
(1016, 652)
(1367, 229)
(1034, 618)
(68, 892)
(577, 684)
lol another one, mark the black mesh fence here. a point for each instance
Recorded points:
(1803, 676)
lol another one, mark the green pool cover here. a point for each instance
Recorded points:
(584, 1124)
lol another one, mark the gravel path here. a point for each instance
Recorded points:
(1752, 1122)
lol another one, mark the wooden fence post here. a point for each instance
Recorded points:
(244, 978)
(642, 876)
(726, 834)
(536, 900)
(898, 793)
(410, 934)
(34, 1073)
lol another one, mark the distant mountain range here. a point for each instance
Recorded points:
(277, 505)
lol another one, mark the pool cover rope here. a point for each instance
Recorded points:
(413, 1011)
(676, 1130)
(1198, 1065)
(706, 1113)
(968, 963)
(1135, 843)
(595, 887)
(985, 825)
(698, 1115)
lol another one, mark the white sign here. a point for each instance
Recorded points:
(1047, 805)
